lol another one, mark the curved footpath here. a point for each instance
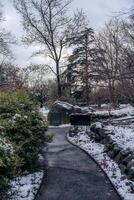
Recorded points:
(72, 174)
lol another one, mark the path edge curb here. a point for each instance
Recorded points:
(97, 165)
(43, 177)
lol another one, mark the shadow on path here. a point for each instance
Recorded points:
(71, 174)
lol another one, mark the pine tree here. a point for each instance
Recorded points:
(81, 60)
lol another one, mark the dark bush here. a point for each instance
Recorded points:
(21, 126)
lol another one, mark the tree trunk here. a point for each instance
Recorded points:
(112, 96)
(86, 70)
(58, 79)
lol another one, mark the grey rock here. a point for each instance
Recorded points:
(123, 177)
(104, 141)
(118, 158)
(130, 164)
(110, 132)
(93, 127)
(105, 149)
(122, 168)
(102, 132)
(125, 152)
(121, 155)
(111, 154)
(97, 138)
(109, 139)
(127, 159)
(131, 173)
(116, 148)
(77, 109)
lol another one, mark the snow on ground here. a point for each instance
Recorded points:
(124, 136)
(61, 126)
(124, 118)
(96, 150)
(64, 104)
(126, 109)
(26, 187)
(44, 111)
(123, 127)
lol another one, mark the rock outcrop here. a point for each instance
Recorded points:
(123, 157)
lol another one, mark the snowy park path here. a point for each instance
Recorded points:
(72, 174)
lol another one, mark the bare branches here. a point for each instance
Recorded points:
(45, 22)
(109, 56)
(5, 40)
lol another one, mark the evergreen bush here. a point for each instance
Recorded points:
(23, 129)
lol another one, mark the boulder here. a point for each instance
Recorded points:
(97, 138)
(127, 159)
(102, 132)
(125, 152)
(130, 164)
(116, 148)
(60, 113)
(122, 155)
(104, 141)
(109, 139)
(96, 127)
(131, 173)
(111, 154)
(122, 168)
(118, 158)
(77, 109)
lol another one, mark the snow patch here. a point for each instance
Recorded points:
(124, 136)
(123, 110)
(25, 187)
(64, 104)
(44, 111)
(61, 126)
(96, 150)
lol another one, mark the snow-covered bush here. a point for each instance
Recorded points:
(24, 125)
(24, 128)
(7, 167)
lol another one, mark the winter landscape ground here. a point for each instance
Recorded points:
(66, 100)
(123, 128)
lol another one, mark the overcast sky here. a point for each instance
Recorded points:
(98, 12)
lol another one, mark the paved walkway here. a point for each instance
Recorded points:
(71, 174)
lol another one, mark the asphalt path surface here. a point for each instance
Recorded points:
(72, 174)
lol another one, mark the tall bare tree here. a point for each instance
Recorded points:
(108, 58)
(5, 40)
(45, 23)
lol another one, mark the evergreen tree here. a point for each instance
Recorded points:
(80, 61)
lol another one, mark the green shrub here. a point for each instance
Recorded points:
(8, 165)
(23, 127)
(73, 131)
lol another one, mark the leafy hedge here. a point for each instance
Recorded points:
(7, 159)
(22, 135)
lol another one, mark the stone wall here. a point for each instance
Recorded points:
(124, 158)
(60, 113)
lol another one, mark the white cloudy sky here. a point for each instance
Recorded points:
(98, 12)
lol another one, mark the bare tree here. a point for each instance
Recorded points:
(108, 57)
(126, 85)
(5, 40)
(45, 23)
